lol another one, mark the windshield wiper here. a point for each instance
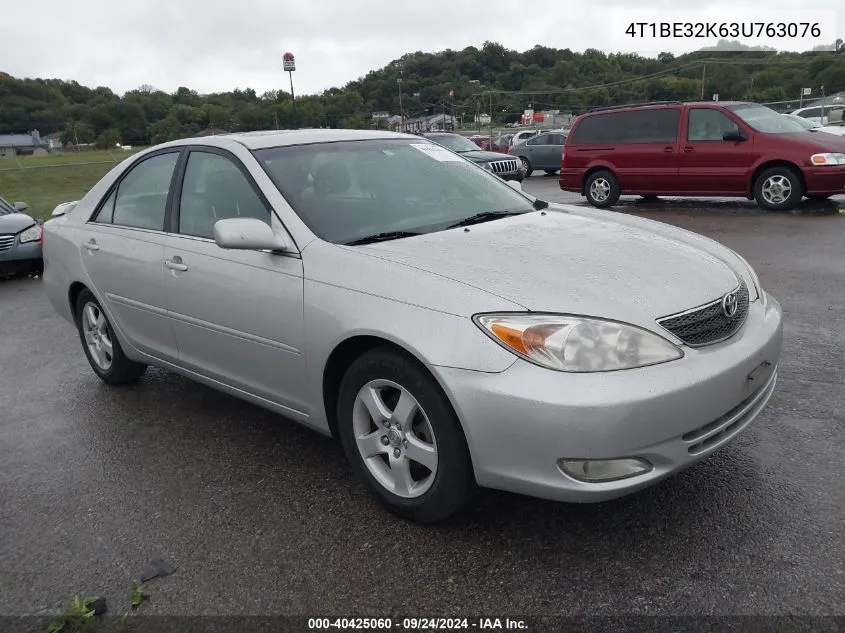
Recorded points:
(381, 237)
(486, 216)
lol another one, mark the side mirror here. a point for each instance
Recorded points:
(63, 209)
(21, 206)
(734, 135)
(248, 234)
(514, 184)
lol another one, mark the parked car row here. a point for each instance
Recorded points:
(380, 288)
(21, 238)
(505, 167)
(701, 149)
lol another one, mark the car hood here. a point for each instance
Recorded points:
(484, 157)
(571, 262)
(822, 140)
(14, 222)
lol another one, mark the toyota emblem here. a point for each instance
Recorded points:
(730, 305)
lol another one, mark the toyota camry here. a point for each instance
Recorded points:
(452, 331)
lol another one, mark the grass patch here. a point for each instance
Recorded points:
(45, 181)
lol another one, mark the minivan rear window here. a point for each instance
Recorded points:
(659, 125)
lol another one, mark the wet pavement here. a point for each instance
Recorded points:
(261, 516)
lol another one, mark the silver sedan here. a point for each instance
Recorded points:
(451, 330)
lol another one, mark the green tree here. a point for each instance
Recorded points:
(109, 139)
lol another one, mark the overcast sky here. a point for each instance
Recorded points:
(211, 45)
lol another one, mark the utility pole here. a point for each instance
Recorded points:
(399, 81)
(703, 77)
(490, 147)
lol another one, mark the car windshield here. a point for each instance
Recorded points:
(766, 120)
(352, 190)
(6, 208)
(454, 142)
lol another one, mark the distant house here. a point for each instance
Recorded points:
(12, 145)
(54, 140)
(433, 123)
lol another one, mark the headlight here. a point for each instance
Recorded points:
(487, 166)
(32, 234)
(828, 159)
(758, 289)
(577, 344)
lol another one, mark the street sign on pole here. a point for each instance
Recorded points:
(289, 64)
(807, 91)
(715, 96)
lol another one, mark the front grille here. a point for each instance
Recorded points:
(509, 166)
(708, 324)
(6, 242)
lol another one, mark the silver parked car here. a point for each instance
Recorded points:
(451, 330)
(20, 240)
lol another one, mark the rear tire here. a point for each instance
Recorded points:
(602, 189)
(388, 449)
(778, 189)
(100, 344)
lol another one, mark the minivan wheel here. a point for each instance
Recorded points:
(602, 189)
(100, 344)
(402, 437)
(527, 170)
(778, 189)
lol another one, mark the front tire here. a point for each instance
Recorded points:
(778, 189)
(100, 344)
(527, 169)
(602, 189)
(402, 437)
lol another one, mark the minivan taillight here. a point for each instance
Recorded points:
(562, 157)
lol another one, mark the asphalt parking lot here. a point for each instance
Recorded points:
(261, 516)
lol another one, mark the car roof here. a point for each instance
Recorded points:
(666, 104)
(280, 138)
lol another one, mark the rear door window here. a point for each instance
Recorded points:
(659, 125)
(142, 194)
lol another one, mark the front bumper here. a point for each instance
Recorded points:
(827, 180)
(519, 422)
(21, 257)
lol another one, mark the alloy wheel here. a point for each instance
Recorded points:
(395, 438)
(776, 189)
(599, 189)
(97, 334)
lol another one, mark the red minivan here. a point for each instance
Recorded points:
(700, 149)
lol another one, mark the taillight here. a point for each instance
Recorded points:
(562, 157)
(41, 239)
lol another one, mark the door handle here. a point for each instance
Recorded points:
(669, 149)
(688, 149)
(91, 245)
(175, 264)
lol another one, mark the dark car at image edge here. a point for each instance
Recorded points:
(502, 165)
(21, 239)
(725, 149)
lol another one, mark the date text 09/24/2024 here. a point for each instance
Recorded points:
(415, 624)
(724, 29)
